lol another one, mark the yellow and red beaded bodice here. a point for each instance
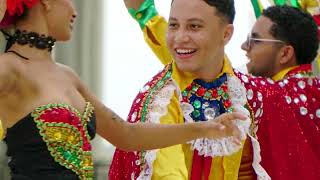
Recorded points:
(63, 133)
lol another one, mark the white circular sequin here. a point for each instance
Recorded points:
(210, 113)
(138, 100)
(250, 94)
(281, 84)
(296, 100)
(258, 112)
(138, 162)
(245, 78)
(310, 82)
(303, 98)
(262, 82)
(254, 104)
(286, 81)
(303, 111)
(261, 113)
(133, 116)
(311, 116)
(253, 84)
(298, 76)
(295, 89)
(288, 99)
(302, 84)
(318, 113)
(260, 97)
(270, 81)
(145, 88)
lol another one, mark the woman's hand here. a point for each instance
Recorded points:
(223, 126)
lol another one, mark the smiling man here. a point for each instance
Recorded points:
(282, 41)
(285, 114)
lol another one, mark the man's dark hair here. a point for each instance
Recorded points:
(296, 28)
(225, 8)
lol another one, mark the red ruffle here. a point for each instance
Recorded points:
(16, 7)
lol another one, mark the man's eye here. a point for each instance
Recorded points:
(173, 25)
(195, 26)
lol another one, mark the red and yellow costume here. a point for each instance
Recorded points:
(285, 121)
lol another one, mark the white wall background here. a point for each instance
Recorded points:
(129, 63)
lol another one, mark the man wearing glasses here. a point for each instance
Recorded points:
(282, 42)
(285, 114)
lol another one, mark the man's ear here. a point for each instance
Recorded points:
(287, 55)
(228, 32)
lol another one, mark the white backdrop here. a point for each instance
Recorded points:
(127, 61)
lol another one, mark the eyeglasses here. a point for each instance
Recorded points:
(251, 41)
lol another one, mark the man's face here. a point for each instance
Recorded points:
(196, 36)
(262, 54)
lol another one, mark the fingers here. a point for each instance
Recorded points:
(231, 116)
(215, 125)
(231, 129)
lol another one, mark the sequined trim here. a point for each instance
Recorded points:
(150, 92)
(161, 81)
(64, 130)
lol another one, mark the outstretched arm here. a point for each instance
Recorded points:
(153, 25)
(144, 136)
(140, 136)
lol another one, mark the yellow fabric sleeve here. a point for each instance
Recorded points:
(155, 35)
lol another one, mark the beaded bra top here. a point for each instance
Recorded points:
(61, 130)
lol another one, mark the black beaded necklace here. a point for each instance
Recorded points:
(32, 39)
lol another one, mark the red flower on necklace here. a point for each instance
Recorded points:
(16, 7)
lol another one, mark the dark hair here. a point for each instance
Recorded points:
(297, 28)
(225, 8)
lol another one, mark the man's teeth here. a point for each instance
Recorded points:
(185, 51)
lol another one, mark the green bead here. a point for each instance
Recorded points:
(160, 83)
(168, 75)
(185, 93)
(77, 162)
(60, 149)
(67, 155)
(226, 96)
(196, 113)
(220, 92)
(195, 88)
(208, 95)
(197, 104)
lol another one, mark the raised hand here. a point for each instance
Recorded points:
(135, 4)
